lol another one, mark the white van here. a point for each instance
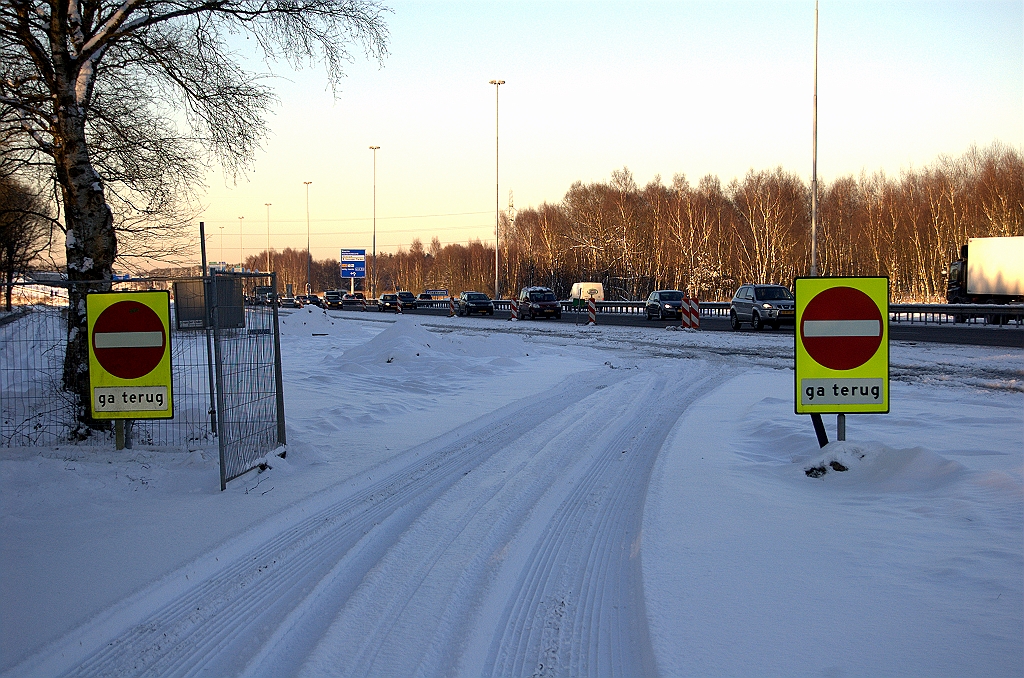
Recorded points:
(583, 291)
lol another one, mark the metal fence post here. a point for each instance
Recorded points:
(208, 321)
(278, 375)
(218, 363)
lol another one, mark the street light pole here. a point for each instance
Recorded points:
(308, 255)
(373, 270)
(268, 235)
(222, 244)
(814, 156)
(241, 261)
(497, 84)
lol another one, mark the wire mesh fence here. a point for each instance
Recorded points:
(34, 408)
(225, 371)
(247, 374)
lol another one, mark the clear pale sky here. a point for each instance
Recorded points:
(689, 87)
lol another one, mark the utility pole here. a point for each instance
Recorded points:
(373, 270)
(268, 236)
(497, 84)
(308, 255)
(814, 156)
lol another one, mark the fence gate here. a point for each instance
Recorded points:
(225, 364)
(249, 394)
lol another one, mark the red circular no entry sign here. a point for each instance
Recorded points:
(128, 339)
(841, 328)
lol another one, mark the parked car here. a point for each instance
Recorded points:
(388, 302)
(664, 304)
(475, 302)
(353, 302)
(762, 304)
(408, 300)
(290, 302)
(538, 302)
(333, 299)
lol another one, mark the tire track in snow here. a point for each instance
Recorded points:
(468, 589)
(577, 606)
(218, 624)
(391, 579)
(414, 611)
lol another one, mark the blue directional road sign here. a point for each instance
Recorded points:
(353, 263)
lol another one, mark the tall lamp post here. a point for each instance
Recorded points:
(814, 156)
(373, 270)
(241, 261)
(222, 244)
(268, 235)
(497, 84)
(308, 255)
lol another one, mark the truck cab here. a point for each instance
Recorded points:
(956, 279)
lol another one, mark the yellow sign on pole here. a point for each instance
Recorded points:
(842, 345)
(130, 355)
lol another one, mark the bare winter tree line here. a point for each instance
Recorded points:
(453, 267)
(291, 269)
(707, 239)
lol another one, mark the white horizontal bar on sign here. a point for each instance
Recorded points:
(128, 339)
(842, 328)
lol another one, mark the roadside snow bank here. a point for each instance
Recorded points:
(307, 321)
(882, 468)
(911, 561)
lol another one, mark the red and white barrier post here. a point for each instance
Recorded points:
(689, 313)
(451, 307)
(514, 305)
(591, 311)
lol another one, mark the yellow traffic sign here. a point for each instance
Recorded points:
(130, 355)
(842, 345)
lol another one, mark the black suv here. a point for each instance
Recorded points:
(408, 300)
(388, 302)
(332, 299)
(475, 302)
(538, 302)
(762, 304)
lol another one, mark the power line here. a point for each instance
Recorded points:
(407, 245)
(408, 230)
(404, 216)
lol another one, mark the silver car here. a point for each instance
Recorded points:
(762, 304)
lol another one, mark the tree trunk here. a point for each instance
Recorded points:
(91, 247)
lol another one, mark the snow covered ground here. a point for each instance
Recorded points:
(474, 497)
